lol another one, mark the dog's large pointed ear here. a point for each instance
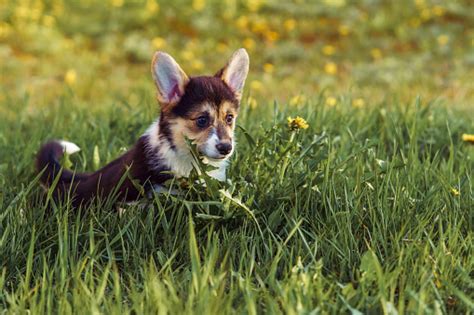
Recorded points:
(169, 78)
(235, 71)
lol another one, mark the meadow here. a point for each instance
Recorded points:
(362, 204)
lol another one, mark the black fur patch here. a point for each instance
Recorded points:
(204, 89)
(165, 130)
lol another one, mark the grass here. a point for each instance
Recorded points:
(357, 212)
(368, 210)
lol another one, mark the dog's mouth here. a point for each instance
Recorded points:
(214, 158)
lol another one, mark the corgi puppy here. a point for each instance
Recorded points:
(202, 109)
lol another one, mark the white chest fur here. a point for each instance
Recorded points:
(178, 160)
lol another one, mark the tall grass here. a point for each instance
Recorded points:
(368, 210)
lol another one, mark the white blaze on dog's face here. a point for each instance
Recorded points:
(203, 108)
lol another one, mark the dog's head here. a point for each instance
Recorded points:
(202, 109)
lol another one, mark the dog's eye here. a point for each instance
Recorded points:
(202, 121)
(229, 119)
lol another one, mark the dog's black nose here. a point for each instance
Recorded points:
(224, 148)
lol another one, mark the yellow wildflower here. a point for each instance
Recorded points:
(438, 10)
(48, 20)
(158, 42)
(242, 22)
(271, 36)
(425, 14)
(376, 53)
(152, 6)
(198, 5)
(36, 11)
(117, 3)
(22, 12)
(455, 192)
(260, 26)
(329, 50)
(335, 3)
(289, 24)
(268, 68)
(330, 68)
(297, 123)
(5, 29)
(58, 8)
(343, 30)
(70, 77)
(358, 102)
(420, 3)
(249, 43)
(443, 39)
(468, 138)
(331, 101)
(255, 5)
(256, 85)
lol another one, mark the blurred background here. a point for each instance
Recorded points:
(100, 50)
